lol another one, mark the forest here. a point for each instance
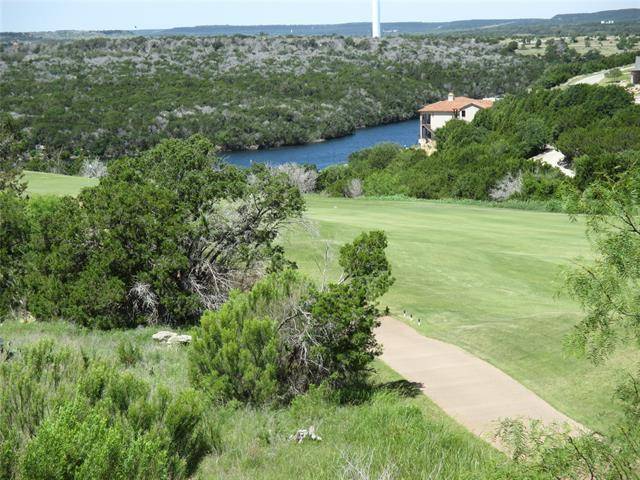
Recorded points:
(111, 97)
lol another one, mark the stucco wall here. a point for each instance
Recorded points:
(439, 119)
(470, 113)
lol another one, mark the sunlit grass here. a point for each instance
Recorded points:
(40, 183)
(486, 279)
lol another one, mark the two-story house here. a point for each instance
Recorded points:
(436, 115)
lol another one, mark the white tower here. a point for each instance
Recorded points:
(375, 25)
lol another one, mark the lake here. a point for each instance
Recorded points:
(330, 152)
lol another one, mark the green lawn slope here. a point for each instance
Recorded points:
(486, 279)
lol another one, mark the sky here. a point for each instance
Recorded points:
(37, 15)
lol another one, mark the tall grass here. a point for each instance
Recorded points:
(395, 433)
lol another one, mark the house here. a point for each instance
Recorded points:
(635, 73)
(436, 115)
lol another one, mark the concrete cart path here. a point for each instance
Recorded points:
(472, 391)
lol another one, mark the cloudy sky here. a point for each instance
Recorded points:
(33, 15)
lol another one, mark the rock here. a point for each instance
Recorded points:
(27, 318)
(302, 434)
(179, 340)
(171, 338)
(163, 336)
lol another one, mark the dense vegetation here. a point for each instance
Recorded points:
(174, 236)
(568, 64)
(111, 97)
(163, 237)
(597, 128)
(66, 415)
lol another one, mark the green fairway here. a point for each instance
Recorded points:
(486, 279)
(40, 183)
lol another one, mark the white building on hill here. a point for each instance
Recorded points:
(436, 115)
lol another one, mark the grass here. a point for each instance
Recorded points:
(396, 430)
(159, 363)
(485, 279)
(40, 183)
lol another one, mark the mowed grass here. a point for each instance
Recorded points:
(488, 280)
(397, 430)
(39, 183)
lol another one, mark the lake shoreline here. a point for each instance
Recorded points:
(329, 151)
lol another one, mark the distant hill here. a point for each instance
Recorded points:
(625, 16)
(616, 21)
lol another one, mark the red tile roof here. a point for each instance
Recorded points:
(458, 103)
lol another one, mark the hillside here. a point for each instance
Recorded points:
(509, 263)
(626, 20)
(120, 96)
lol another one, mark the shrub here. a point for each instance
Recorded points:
(235, 355)
(304, 177)
(128, 353)
(354, 188)
(285, 335)
(163, 237)
(79, 441)
(507, 187)
(64, 415)
(14, 233)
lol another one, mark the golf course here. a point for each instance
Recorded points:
(486, 279)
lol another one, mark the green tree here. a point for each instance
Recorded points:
(11, 147)
(163, 237)
(14, 235)
(607, 288)
(285, 335)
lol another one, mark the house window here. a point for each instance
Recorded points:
(464, 113)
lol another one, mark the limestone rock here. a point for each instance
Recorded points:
(302, 434)
(171, 338)
(163, 336)
(179, 340)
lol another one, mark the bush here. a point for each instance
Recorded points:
(235, 355)
(128, 353)
(64, 415)
(582, 120)
(79, 441)
(14, 233)
(162, 238)
(284, 336)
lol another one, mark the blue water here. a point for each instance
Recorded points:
(330, 152)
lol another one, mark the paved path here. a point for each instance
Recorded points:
(592, 79)
(470, 390)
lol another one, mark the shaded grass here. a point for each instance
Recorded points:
(487, 280)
